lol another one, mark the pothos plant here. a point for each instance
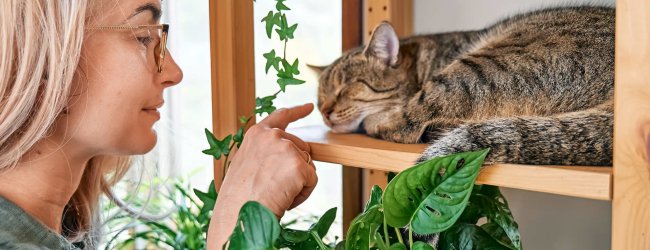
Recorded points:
(436, 197)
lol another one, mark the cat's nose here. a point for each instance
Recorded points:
(327, 113)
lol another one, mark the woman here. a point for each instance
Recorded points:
(81, 82)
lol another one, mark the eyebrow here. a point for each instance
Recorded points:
(155, 11)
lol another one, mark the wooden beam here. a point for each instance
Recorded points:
(631, 204)
(400, 14)
(351, 177)
(378, 156)
(233, 73)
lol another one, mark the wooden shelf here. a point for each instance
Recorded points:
(361, 151)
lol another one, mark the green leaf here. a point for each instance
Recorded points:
(324, 223)
(264, 105)
(340, 245)
(390, 177)
(362, 229)
(375, 197)
(379, 241)
(256, 228)
(208, 199)
(487, 201)
(397, 246)
(239, 136)
(497, 233)
(290, 69)
(285, 31)
(280, 5)
(283, 82)
(419, 245)
(272, 61)
(432, 195)
(270, 21)
(291, 238)
(465, 236)
(243, 119)
(217, 147)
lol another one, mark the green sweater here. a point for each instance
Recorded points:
(18, 230)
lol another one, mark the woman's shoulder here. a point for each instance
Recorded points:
(18, 230)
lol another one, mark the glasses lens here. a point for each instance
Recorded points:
(161, 48)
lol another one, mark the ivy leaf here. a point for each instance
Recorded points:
(239, 136)
(286, 78)
(272, 61)
(270, 21)
(289, 81)
(280, 5)
(432, 195)
(217, 147)
(264, 105)
(285, 31)
(291, 69)
(208, 198)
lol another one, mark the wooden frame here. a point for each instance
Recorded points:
(233, 96)
(233, 68)
(631, 203)
(351, 176)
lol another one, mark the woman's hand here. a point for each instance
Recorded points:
(272, 167)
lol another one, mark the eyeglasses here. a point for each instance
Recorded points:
(162, 31)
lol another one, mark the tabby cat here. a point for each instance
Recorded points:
(537, 88)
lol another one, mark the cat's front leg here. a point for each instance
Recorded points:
(394, 129)
(455, 141)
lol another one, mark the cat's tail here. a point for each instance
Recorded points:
(576, 138)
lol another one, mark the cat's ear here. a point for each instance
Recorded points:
(384, 44)
(317, 69)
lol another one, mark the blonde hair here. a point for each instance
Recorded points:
(40, 48)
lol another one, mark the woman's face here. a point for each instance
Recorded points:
(118, 90)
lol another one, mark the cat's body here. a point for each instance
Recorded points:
(537, 88)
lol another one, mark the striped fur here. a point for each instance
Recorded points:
(537, 88)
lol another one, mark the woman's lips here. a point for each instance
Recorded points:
(153, 112)
(153, 109)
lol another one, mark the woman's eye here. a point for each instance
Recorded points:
(145, 40)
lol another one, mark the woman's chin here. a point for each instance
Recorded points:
(145, 145)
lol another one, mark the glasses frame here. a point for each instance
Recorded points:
(162, 44)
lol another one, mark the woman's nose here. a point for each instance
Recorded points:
(171, 73)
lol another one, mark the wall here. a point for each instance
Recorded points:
(546, 221)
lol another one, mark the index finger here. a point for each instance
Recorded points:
(282, 117)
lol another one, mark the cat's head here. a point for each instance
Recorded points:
(365, 81)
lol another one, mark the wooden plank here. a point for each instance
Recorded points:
(351, 177)
(364, 152)
(631, 203)
(233, 74)
(400, 14)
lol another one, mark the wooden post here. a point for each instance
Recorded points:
(233, 73)
(631, 202)
(351, 176)
(400, 14)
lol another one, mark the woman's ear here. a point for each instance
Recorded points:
(317, 69)
(384, 44)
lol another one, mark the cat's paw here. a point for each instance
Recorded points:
(398, 135)
(455, 141)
